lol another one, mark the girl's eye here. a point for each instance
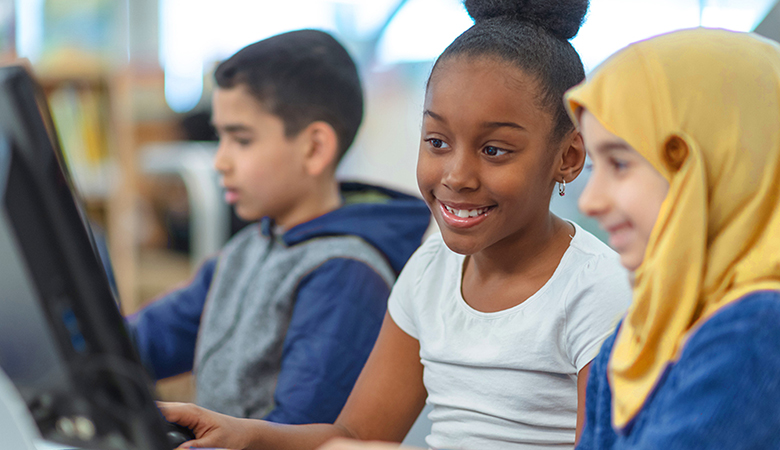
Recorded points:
(493, 151)
(589, 166)
(618, 164)
(437, 143)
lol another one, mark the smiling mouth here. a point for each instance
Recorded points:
(620, 235)
(463, 218)
(617, 228)
(465, 213)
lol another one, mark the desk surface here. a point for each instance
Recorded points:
(47, 445)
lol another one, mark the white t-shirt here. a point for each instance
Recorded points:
(508, 379)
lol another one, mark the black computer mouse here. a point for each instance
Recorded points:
(178, 434)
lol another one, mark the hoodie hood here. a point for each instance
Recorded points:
(393, 222)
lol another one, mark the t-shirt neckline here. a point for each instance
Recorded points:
(535, 295)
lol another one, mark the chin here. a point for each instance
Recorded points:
(463, 245)
(247, 216)
(630, 262)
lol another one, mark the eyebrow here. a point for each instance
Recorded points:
(614, 145)
(503, 125)
(434, 116)
(231, 128)
(439, 118)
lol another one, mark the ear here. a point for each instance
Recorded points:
(322, 148)
(571, 158)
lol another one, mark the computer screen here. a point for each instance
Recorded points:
(62, 338)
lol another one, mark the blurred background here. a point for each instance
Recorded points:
(129, 86)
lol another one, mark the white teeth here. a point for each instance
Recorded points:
(464, 213)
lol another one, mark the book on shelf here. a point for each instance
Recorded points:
(81, 117)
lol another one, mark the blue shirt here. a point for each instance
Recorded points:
(723, 393)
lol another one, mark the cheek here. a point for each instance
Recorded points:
(516, 185)
(645, 205)
(654, 202)
(257, 167)
(426, 173)
(275, 159)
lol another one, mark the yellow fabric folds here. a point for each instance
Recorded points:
(717, 236)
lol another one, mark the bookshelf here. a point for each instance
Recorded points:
(101, 123)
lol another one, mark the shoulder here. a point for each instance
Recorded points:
(344, 252)
(748, 326)
(597, 295)
(341, 289)
(590, 251)
(429, 256)
(594, 270)
(346, 277)
(431, 262)
(346, 245)
(759, 305)
(736, 352)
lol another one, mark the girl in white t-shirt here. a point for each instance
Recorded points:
(494, 321)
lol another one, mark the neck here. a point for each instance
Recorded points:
(529, 252)
(324, 197)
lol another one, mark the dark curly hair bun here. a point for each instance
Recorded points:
(561, 18)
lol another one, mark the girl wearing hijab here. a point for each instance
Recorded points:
(684, 133)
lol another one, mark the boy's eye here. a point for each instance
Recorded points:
(493, 151)
(229, 138)
(242, 141)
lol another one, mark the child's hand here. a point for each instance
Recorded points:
(350, 444)
(213, 430)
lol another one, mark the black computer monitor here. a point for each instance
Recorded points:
(62, 338)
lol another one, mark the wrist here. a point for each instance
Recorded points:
(254, 433)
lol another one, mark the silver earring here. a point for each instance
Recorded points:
(562, 188)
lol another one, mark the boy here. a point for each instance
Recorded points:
(287, 314)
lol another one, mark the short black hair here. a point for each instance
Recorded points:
(302, 77)
(534, 36)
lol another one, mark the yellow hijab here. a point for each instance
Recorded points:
(710, 100)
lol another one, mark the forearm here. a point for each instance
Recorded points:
(268, 435)
(215, 430)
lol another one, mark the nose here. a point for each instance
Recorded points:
(221, 161)
(461, 172)
(594, 200)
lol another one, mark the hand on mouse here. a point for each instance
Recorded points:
(211, 429)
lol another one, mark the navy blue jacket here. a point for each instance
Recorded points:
(335, 315)
(723, 393)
